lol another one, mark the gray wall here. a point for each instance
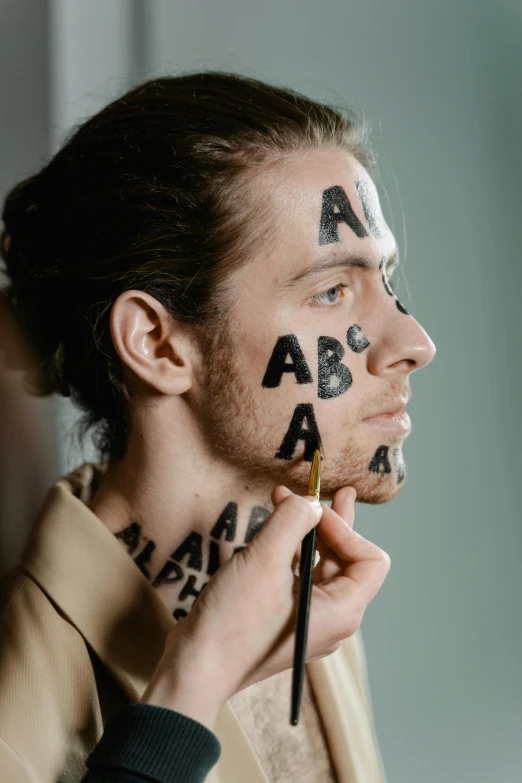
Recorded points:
(28, 449)
(441, 85)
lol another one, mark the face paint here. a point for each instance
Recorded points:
(287, 345)
(165, 575)
(258, 516)
(337, 209)
(372, 212)
(189, 589)
(227, 522)
(213, 558)
(398, 461)
(312, 440)
(385, 282)
(144, 557)
(380, 462)
(390, 291)
(357, 345)
(191, 546)
(334, 378)
(130, 537)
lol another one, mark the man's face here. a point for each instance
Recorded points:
(316, 345)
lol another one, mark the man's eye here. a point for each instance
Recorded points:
(330, 296)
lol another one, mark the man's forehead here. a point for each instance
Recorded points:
(296, 188)
(327, 211)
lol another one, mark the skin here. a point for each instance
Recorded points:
(206, 431)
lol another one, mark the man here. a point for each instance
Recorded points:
(315, 350)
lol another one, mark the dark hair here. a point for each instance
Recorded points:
(150, 193)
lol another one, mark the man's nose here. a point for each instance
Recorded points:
(403, 348)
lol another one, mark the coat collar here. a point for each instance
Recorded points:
(83, 569)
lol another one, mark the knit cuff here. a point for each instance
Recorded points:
(157, 742)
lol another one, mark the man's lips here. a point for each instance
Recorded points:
(394, 419)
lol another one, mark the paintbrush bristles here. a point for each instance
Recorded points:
(314, 485)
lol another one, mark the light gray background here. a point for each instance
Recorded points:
(441, 85)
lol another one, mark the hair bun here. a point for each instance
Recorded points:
(23, 221)
(29, 338)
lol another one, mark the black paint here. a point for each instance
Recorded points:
(189, 589)
(179, 614)
(144, 557)
(334, 378)
(380, 462)
(227, 523)
(288, 345)
(303, 413)
(388, 288)
(130, 536)
(191, 546)
(358, 345)
(258, 517)
(372, 214)
(398, 461)
(213, 558)
(336, 208)
(238, 549)
(165, 575)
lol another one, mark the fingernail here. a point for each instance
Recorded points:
(317, 507)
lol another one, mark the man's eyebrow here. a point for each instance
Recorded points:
(351, 260)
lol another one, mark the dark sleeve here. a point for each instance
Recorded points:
(145, 743)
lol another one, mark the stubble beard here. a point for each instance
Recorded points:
(233, 426)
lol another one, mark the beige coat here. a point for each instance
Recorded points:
(82, 631)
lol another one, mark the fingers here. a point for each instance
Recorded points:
(281, 535)
(365, 564)
(279, 494)
(343, 504)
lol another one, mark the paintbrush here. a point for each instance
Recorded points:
(306, 566)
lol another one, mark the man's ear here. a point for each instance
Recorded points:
(152, 344)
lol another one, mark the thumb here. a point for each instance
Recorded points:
(279, 494)
(282, 533)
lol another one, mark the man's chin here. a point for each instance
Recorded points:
(374, 482)
(371, 490)
(379, 489)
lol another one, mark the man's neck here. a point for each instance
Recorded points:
(179, 518)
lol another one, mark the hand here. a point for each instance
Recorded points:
(241, 628)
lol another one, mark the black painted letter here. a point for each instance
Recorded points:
(130, 536)
(372, 212)
(227, 523)
(337, 209)
(191, 546)
(165, 574)
(258, 516)
(310, 436)
(380, 462)
(358, 345)
(334, 378)
(287, 345)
